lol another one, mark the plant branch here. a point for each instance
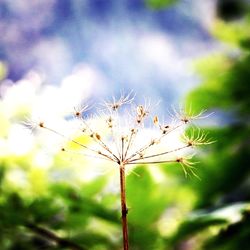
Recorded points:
(61, 242)
(124, 209)
(150, 144)
(160, 154)
(151, 162)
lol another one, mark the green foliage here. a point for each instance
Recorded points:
(234, 34)
(146, 205)
(232, 237)
(225, 85)
(153, 198)
(63, 208)
(159, 4)
(201, 220)
(225, 173)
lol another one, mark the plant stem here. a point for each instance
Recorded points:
(49, 235)
(124, 209)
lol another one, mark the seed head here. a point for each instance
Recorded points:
(156, 120)
(115, 104)
(41, 124)
(127, 142)
(196, 138)
(186, 115)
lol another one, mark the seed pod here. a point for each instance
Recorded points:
(133, 131)
(77, 114)
(156, 120)
(140, 110)
(41, 124)
(97, 136)
(110, 122)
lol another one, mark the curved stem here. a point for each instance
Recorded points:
(49, 235)
(124, 209)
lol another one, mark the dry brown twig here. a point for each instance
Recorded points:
(119, 144)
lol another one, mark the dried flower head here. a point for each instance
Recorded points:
(80, 111)
(115, 104)
(186, 115)
(196, 138)
(122, 137)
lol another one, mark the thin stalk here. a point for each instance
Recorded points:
(144, 148)
(163, 153)
(124, 209)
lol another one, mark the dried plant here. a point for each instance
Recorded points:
(128, 140)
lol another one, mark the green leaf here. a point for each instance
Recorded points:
(159, 4)
(202, 220)
(146, 199)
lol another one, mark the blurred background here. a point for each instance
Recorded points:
(56, 54)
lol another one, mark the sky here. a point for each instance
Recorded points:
(104, 47)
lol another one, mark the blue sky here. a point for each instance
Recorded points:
(112, 45)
